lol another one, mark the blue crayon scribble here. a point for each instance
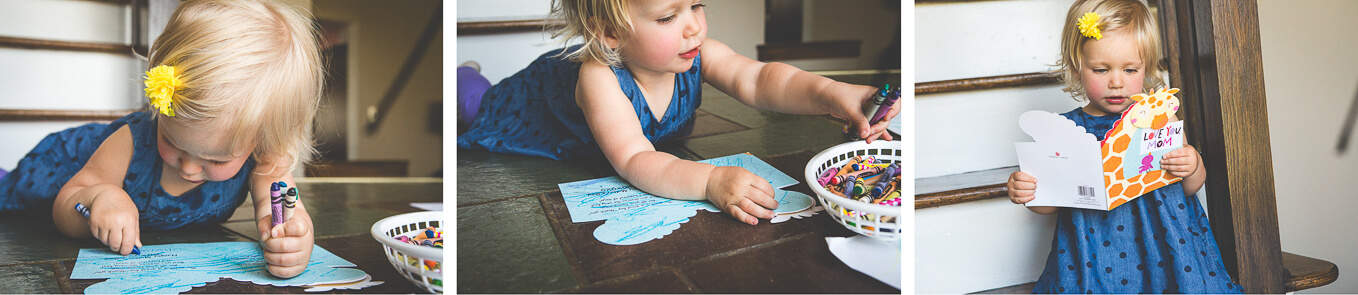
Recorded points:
(176, 268)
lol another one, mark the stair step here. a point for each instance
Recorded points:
(1303, 273)
(957, 188)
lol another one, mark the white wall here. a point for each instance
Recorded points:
(956, 40)
(1311, 79)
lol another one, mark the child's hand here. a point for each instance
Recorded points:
(1021, 187)
(740, 193)
(1181, 162)
(115, 221)
(287, 247)
(847, 104)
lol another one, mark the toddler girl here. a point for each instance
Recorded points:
(637, 80)
(1159, 242)
(233, 87)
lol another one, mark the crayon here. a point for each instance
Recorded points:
(827, 175)
(289, 202)
(885, 108)
(276, 204)
(891, 172)
(848, 186)
(85, 211)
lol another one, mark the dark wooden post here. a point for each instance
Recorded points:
(1214, 58)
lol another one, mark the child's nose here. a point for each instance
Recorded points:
(693, 27)
(189, 166)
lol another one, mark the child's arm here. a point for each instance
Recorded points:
(1021, 187)
(114, 218)
(615, 127)
(1185, 162)
(287, 248)
(786, 89)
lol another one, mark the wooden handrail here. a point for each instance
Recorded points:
(506, 26)
(378, 112)
(1016, 80)
(23, 115)
(17, 42)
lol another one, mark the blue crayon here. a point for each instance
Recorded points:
(85, 211)
(891, 172)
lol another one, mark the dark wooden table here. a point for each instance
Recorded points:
(34, 258)
(712, 252)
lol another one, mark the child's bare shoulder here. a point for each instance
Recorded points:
(596, 81)
(110, 160)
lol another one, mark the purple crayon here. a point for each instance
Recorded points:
(885, 107)
(276, 203)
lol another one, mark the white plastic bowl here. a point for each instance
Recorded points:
(408, 259)
(877, 221)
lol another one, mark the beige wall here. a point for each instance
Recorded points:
(1311, 79)
(381, 35)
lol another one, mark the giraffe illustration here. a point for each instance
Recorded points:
(1148, 111)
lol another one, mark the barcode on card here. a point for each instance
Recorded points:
(1086, 191)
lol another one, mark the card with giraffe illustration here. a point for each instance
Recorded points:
(1076, 170)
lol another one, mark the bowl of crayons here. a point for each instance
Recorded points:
(859, 184)
(413, 244)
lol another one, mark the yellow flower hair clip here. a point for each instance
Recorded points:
(161, 83)
(1089, 26)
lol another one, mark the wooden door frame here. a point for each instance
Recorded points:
(1214, 58)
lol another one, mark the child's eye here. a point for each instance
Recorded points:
(1130, 71)
(666, 20)
(697, 6)
(1100, 71)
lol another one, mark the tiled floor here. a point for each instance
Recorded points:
(515, 234)
(35, 259)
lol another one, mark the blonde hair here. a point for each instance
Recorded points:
(1113, 15)
(591, 21)
(253, 63)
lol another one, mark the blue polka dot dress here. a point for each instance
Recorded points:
(1160, 242)
(534, 113)
(33, 184)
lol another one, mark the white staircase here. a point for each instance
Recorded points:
(990, 243)
(62, 79)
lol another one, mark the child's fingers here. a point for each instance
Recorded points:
(1024, 186)
(756, 210)
(115, 240)
(764, 193)
(295, 228)
(1023, 177)
(285, 260)
(283, 245)
(129, 240)
(736, 212)
(99, 234)
(1021, 199)
(286, 271)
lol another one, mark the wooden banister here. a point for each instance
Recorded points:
(22, 115)
(979, 83)
(506, 26)
(29, 43)
(378, 112)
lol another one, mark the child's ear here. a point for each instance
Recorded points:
(611, 41)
